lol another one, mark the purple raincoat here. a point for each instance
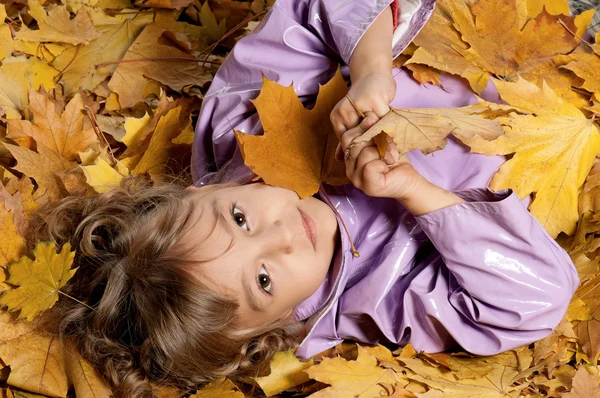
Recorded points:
(482, 274)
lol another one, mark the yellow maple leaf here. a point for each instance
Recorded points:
(298, 146)
(38, 280)
(352, 378)
(65, 134)
(286, 372)
(468, 39)
(219, 388)
(80, 65)
(554, 145)
(426, 129)
(57, 26)
(35, 358)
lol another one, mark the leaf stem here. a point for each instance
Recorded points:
(74, 299)
(573, 33)
(126, 61)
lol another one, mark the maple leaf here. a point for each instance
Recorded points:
(43, 166)
(467, 39)
(554, 146)
(298, 146)
(219, 388)
(585, 385)
(64, 134)
(38, 280)
(497, 383)
(160, 64)
(286, 372)
(82, 66)
(349, 378)
(57, 26)
(35, 358)
(426, 129)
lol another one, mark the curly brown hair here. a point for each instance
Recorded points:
(146, 318)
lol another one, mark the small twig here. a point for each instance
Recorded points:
(573, 33)
(131, 60)
(98, 131)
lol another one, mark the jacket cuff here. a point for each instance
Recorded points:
(478, 202)
(409, 18)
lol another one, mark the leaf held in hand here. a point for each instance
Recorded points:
(297, 150)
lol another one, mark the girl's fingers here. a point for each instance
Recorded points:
(368, 156)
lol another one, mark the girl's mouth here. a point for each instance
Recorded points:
(310, 228)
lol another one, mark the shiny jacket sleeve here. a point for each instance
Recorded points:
(499, 281)
(300, 42)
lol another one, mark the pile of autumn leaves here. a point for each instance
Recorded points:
(94, 91)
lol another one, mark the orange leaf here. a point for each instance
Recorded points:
(298, 147)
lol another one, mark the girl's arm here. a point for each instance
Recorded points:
(299, 41)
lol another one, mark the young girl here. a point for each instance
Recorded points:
(192, 284)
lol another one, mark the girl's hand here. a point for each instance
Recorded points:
(390, 177)
(372, 93)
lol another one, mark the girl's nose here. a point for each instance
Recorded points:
(281, 238)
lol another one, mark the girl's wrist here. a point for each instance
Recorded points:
(426, 197)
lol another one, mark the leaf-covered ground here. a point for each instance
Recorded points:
(95, 90)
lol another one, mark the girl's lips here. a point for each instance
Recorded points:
(310, 228)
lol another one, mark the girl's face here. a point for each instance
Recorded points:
(272, 265)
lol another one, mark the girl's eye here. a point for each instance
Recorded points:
(264, 280)
(239, 218)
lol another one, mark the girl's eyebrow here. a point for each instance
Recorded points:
(219, 212)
